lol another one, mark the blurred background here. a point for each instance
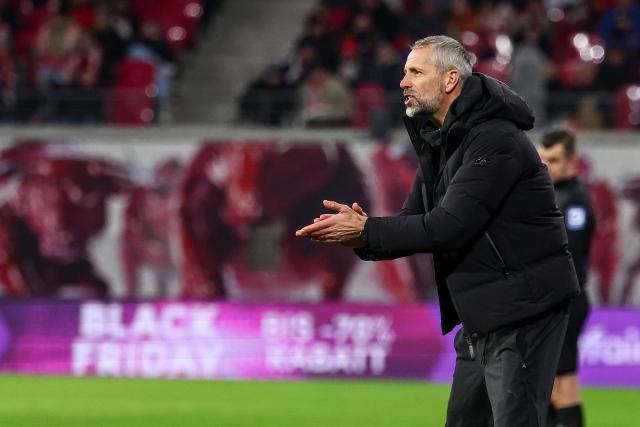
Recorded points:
(304, 63)
(157, 156)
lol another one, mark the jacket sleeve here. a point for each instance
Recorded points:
(413, 205)
(489, 170)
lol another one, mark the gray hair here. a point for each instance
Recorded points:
(447, 54)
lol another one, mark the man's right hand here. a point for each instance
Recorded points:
(356, 207)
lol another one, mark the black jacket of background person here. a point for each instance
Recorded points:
(573, 201)
(486, 210)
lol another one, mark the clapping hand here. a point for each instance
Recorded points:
(344, 226)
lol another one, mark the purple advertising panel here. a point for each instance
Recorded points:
(173, 339)
(226, 340)
(610, 348)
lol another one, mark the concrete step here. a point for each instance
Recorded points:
(246, 36)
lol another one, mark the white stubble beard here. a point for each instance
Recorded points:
(425, 106)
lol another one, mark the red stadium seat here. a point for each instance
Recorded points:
(368, 97)
(132, 97)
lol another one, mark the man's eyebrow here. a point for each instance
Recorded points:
(413, 69)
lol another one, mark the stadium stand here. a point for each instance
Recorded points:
(62, 61)
(66, 61)
(585, 52)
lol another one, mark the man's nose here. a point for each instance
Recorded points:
(405, 83)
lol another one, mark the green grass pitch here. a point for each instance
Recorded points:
(96, 402)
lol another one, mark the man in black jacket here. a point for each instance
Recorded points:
(558, 152)
(483, 204)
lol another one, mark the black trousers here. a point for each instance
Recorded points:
(504, 378)
(578, 314)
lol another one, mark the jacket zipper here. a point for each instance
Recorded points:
(472, 353)
(505, 272)
(442, 169)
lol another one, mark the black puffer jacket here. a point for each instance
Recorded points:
(483, 204)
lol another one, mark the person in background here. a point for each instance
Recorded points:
(558, 152)
(116, 25)
(621, 24)
(8, 74)
(269, 100)
(426, 20)
(56, 60)
(529, 72)
(317, 36)
(326, 101)
(386, 67)
(150, 45)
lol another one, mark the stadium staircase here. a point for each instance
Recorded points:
(246, 35)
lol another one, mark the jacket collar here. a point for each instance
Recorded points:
(455, 126)
(424, 134)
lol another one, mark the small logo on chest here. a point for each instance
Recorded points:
(481, 161)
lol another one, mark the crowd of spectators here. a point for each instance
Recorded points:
(346, 65)
(59, 59)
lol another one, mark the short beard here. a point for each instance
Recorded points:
(426, 106)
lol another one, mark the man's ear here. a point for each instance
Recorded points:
(452, 80)
(573, 162)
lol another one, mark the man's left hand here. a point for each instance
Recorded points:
(344, 226)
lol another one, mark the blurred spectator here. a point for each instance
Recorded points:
(56, 59)
(8, 75)
(588, 115)
(382, 17)
(33, 14)
(622, 24)
(615, 70)
(528, 74)
(495, 18)
(363, 34)
(461, 19)
(386, 68)
(151, 46)
(85, 100)
(532, 14)
(350, 68)
(9, 14)
(269, 100)
(317, 36)
(304, 59)
(325, 100)
(336, 15)
(425, 21)
(116, 26)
